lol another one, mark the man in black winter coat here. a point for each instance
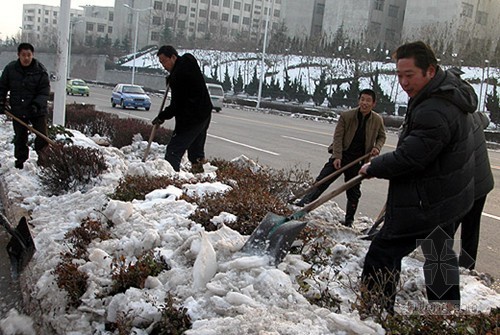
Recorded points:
(431, 179)
(28, 82)
(190, 105)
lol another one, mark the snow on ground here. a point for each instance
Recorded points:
(224, 290)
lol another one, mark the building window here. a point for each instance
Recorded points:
(320, 8)
(183, 9)
(202, 27)
(110, 30)
(246, 21)
(225, 17)
(467, 9)
(155, 36)
(129, 18)
(111, 16)
(393, 11)
(236, 19)
(156, 20)
(100, 28)
(158, 5)
(226, 3)
(379, 5)
(171, 7)
(215, 2)
(481, 17)
(46, 21)
(237, 5)
(204, 1)
(54, 21)
(181, 24)
(90, 26)
(247, 7)
(169, 22)
(223, 31)
(214, 15)
(203, 13)
(375, 28)
(213, 29)
(276, 13)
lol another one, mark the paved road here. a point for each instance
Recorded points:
(284, 142)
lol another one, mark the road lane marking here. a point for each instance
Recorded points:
(494, 217)
(243, 145)
(305, 141)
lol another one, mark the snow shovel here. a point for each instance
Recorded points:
(33, 130)
(21, 246)
(329, 177)
(155, 127)
(275, 234)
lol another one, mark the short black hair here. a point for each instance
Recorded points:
(421, 52)
(167, 50)
(25, 46)
(369, 92)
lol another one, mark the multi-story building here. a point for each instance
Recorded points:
(222, 20)
(385, 23)
(40, 23)
(461, 24)
(368, 21)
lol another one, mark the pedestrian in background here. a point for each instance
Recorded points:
(28, 82)
(359, 131)
(190, 105)
(431, 180)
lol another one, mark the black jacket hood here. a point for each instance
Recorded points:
(449, 86)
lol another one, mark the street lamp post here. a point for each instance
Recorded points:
(136, 35)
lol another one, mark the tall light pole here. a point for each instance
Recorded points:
(262, 77)
(136, 34)
(72, 24)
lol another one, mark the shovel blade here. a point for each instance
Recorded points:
(260, 236)
(282, 239)
(20, 248)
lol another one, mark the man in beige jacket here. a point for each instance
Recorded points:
(359, 131)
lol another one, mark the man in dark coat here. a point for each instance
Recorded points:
(360, 131)
(190, 105)
(28, 82)
(483, 184)
(431, 179)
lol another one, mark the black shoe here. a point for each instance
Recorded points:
(347, 222)
(19, 165)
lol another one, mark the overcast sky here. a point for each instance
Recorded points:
(12, 12)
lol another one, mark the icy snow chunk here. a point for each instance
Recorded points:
(245, 162)
(151, 168)
(226, 238)
(164, 193)
(101, 258)
(235, 298)
(223, 217)
(152, 282)
(201, 189)
(205, 265)
(246, 262)
(15, 323)
(119, 211)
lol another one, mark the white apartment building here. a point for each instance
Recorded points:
(40, 23)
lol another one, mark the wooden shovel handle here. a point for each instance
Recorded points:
(320, 201)
(33, 130)
(155, 127)
(330, 176)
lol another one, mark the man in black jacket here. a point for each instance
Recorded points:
(431, 179)
(190, 105)
(28, 82)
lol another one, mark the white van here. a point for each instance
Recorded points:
(216, 95)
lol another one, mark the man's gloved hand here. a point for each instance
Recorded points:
(34, 109)
(157, 121)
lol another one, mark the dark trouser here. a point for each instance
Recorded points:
(193, 140)
(21, 149)
(353, 194)
(470, 234)
(382, 267)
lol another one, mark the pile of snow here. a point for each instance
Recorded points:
(224, 290)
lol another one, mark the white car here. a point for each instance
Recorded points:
(216, 95)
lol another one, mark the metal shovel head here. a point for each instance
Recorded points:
(260, 236)
(20, 248)
(282, 238)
